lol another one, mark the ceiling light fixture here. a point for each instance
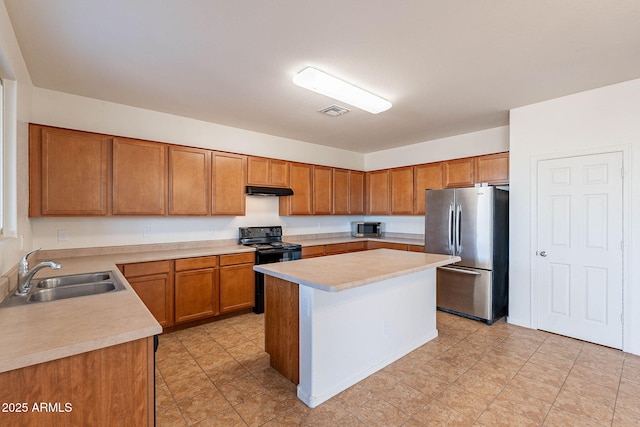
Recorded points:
(320, 82)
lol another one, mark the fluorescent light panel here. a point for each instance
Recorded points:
(320, 82)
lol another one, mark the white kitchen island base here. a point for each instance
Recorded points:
(332, 321)
(347, 336)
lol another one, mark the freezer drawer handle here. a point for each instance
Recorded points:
(456, 270)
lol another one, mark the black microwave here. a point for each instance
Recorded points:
(366, 229)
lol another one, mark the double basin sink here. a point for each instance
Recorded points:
(63, 287)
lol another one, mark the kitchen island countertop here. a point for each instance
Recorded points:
(337, 273)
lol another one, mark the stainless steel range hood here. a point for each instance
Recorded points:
(252, 190)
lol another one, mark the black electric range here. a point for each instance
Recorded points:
(269, 249)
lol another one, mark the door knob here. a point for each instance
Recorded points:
(543, 254)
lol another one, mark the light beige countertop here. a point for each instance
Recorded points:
(337, 273)
(41, 332)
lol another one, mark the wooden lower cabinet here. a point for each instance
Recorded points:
(153, 283)
(386, 245)
(336, 248)
(415, 248)
(112, 386)
(356, 246)
(187, 289)
(237, 282)
(196, 288)
(312, 251)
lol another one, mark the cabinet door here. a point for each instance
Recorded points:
(336, 248)
(378, 192)
(237, 287)
(229, 182)
(322, 190)
(301, 203)
(156, 292)
(189, 181)
(196, 294)
(139, 177)
(493, 168)
(425, 177)
(312, 251)
(278, 173)
(257, 171)
(401, 191)
(356, 193)
(459, 173)
(340, 192)
(69, 172)
(357, 246)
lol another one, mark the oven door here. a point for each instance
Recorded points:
(270, 256)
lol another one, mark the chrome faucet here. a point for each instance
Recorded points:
(25, 275)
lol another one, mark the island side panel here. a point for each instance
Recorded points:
(347, 336)
(281, 324)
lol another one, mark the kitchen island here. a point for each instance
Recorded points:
(332, 321)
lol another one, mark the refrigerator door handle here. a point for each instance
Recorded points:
(458, 229)
(451, 231)
(457, 270)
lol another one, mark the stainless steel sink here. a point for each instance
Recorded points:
(74, 279)
(64, 287)
(71, 291)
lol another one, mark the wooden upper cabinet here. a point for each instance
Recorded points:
(340, 192)
(301, 203)
(425, 177)
(356, 192)
(189, 181)
(459, 173)
(322, 190)
(279, 173)
(401, 190)
(378, 192)
(139, 177)
(492, 168)
(68, 172)
(229, 182)
(266, 172)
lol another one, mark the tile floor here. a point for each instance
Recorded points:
(471, 375)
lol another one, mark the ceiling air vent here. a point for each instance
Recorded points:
(334, 110)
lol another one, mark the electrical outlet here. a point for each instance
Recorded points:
(210, 229)
(146, 232)
(63, 235)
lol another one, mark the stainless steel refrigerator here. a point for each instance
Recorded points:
(472, 223)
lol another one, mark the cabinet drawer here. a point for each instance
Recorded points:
(356, 246)
(232, 259)
(312, 251)
(386, 245)
(196, 263)
(145, 268)
(416, 248)
(335, 248)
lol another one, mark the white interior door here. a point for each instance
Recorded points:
(579, 262)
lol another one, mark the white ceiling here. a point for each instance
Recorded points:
(448, 66)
